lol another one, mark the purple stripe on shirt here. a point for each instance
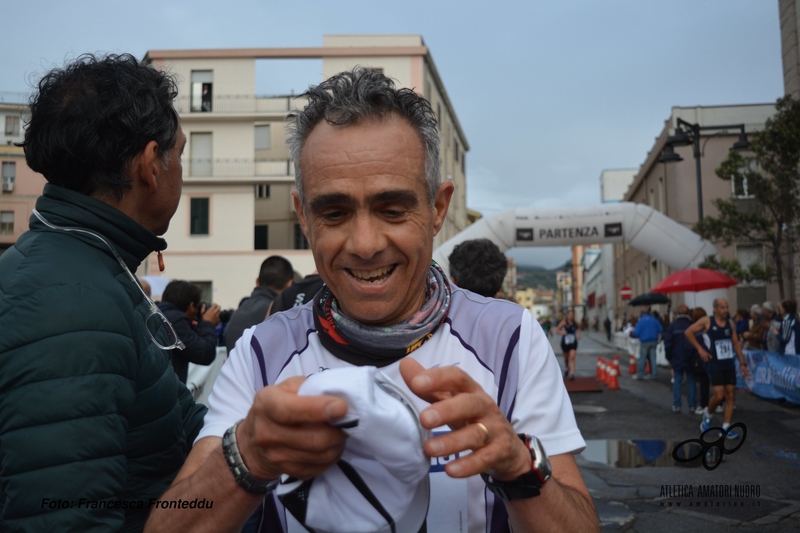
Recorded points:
(259, 356)
(512, 344)
(467, 346)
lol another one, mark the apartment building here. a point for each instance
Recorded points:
(236, 207)
(671, 188)
(20, 185)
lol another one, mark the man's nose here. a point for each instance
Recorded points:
(366, 238)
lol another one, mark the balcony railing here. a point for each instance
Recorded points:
(7, 97)
(238, 168)
(238, 103)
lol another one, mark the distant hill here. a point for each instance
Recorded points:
(536, 277)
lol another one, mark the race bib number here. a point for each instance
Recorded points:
(724, 349)
(448, 507)
(569, 338)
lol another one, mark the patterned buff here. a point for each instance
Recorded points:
(360, 344)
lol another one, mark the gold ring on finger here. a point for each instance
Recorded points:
(485, 430)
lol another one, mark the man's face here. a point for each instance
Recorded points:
(170, 184)
(368, 218)
(721, 309)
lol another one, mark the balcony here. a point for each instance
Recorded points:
(237, 170)
(7, 97)
(242, 104)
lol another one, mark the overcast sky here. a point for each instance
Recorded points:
(549, 93)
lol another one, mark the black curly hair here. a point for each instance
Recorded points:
(90, 118)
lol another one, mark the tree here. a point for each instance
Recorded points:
(765, 209)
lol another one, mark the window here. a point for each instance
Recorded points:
(9, 175)
(202, 90)
(6, 221)
(739, 185)
(262, 191)
(261, 237)
(749, 255)
(199, 216)
(12, 125)
(300, 241)
(263, 140)
(200, 154)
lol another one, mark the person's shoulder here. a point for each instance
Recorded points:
(466, 301)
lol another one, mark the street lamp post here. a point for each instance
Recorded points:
(687, 133)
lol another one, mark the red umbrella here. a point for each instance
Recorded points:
(694, 280)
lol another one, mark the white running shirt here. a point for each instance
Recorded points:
(496, 342)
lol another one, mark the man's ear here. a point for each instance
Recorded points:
(301, 216)
(441, 204)
(148, 166)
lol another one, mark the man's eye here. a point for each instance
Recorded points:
(393, 213)
(332, 216)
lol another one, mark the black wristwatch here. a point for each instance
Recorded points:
(240, 472)
(527, 485)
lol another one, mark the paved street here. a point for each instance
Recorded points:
(629, 498)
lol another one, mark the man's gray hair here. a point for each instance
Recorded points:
(357, 95)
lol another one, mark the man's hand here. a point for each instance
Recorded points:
(285, 433)
(458, 401)
(704, 355)
(212, 314)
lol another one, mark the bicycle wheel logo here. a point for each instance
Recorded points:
(712, 445)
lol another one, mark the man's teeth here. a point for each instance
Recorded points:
(372, 275)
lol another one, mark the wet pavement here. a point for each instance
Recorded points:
(638, 486)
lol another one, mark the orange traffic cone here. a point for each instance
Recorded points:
(614, 378)
(603, 370)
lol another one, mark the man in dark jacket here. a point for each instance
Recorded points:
(275, 275)
(194, 324)
(95, 424)
(681, 354)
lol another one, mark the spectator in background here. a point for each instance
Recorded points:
(773, 344)
(299, 293)
(647, 330)
(479, 266)
(275, 275)
(742, 322)
(754, 337)
(607, 326)
(703, 382)
(789, 333)
(681, 356)
(194, 324)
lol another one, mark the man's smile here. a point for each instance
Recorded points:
(375, 275)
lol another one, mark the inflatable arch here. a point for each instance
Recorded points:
(637, 225)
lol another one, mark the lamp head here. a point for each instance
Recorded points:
(669, 155)
(742, 144)
(679, 138)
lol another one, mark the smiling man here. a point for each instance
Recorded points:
(370, 200)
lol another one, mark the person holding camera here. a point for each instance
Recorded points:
(194, 322)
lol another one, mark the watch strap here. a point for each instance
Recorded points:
(230, 449)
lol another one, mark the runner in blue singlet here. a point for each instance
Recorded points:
(571, 333)
(721, 370)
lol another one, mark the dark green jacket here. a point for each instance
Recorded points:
(93, 420)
